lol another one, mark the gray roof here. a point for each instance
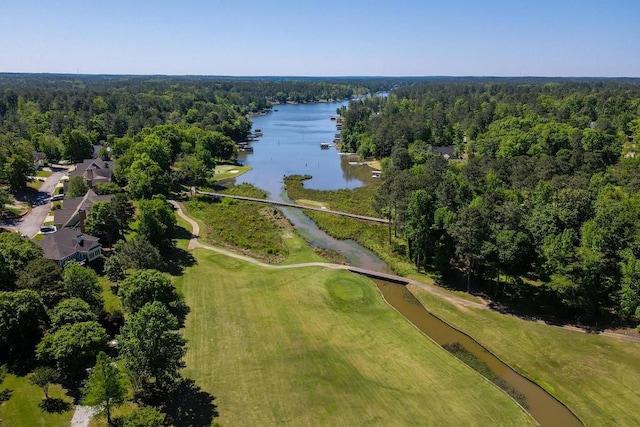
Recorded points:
(94, 170)
(68, 215)
(66, 242)
(449, 150)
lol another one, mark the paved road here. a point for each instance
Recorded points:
(30, 224)
(194, 243)
(293, 205)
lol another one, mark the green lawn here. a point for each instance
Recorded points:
(22, 409)
(229, 171)
(35, 184)
(253, 228)
(596, 376)
(320, 347)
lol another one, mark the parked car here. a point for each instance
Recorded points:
(47, 229)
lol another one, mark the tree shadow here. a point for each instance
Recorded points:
(176, 260)
(181, 233)
(186, 404)
(54, 405)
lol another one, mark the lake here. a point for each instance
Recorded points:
(290, 145)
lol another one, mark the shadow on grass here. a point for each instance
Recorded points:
(186, 404)
(177, 260)
(54, 405)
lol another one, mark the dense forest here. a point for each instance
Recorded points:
(540, 198)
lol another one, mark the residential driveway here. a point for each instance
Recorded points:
(30, 224)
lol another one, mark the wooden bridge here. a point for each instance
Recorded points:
(293, 205)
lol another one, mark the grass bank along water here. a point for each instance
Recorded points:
(545, 408)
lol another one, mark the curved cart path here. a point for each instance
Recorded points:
(194, 243)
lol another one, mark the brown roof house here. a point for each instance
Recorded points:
(70, 245)
(69, 217)
(94, 171)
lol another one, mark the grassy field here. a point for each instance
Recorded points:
(319, 347)
(229, 171)
(596, 376)
(236, 224)
(22, 409)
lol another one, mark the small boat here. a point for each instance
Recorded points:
(376, 174)
(324, 145)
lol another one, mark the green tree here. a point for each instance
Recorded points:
(72, 310)
(137, 253)
(146, 178)
(76, 187)
(189, 169)
(22, 315)
(470, 233)
(124, 211)
(107, 188)
(630, 285)
(106, 386)
(151, 349)
(17, 169)
(73, 347)
(52, 148)
(102, 221)
(82, 282)
(157, 222)
(76, 145)
(147, 286)
(42, 377)
(147, 416)
(15, 253)
(5, 199)
(420, 218)
(43, 276)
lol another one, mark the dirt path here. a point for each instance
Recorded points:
(194, 243)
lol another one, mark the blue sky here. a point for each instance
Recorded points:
(322, 38)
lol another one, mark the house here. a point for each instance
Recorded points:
(69, 216)
(446, 152)
(70, 245)
(94, 171)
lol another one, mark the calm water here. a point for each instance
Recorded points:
(291, 145)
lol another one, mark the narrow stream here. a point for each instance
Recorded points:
(546, 410)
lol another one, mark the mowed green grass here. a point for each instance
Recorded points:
(597, 377)
(22, 409)
(313, 346)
